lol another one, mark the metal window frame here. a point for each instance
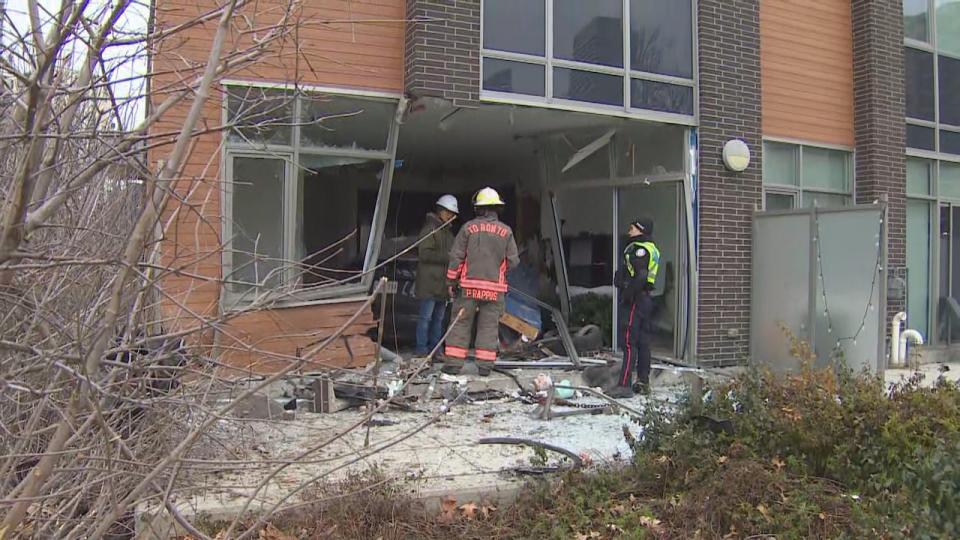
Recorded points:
(800, 190)
(283, 297)
(937, 201)
(933, 47)
(228, 298)
(685, 312)
(549, 61)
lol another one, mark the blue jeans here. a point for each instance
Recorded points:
(430, 324)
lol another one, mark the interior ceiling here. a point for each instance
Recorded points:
(436, 131)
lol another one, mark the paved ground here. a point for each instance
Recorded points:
(434, 452)
(928, 372)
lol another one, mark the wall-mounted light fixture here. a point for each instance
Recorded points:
(736, 155)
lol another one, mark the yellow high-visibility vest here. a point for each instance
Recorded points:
(653, 262)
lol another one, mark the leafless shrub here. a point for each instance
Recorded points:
(102, 399)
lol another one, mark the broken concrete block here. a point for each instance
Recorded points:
(260, 407)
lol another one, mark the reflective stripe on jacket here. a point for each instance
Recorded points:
(638, 251)
(482, 253)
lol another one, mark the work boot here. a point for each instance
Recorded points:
(641, 388)
(621, 392)
(452, 366)
(484, 368)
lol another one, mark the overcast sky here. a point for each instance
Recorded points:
(127, 64)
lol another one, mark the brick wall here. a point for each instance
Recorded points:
(443, 50)
(878, 81)
(729, 36)
(340, 44)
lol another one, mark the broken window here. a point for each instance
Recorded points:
(345, 122)
(332, 224)
(299, 217)
(260, 115)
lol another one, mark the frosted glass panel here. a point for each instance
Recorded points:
(918, 265)
(781, 277)
(824, 168)
(848, 249)
(948, 26)
(779, 201)
(780, 164)
(918, 176)
(916, 19)
(949, 179)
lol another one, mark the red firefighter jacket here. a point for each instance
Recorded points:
(482, 253)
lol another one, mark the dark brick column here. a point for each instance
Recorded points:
(879, 125)
(443, 50)
(729, 36)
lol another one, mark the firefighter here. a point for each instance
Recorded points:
(482, 253)
(635, 280)
(433, 256)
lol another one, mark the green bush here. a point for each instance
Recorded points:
(858, 458)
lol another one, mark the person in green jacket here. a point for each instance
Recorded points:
(433, 257)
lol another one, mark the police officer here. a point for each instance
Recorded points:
(635, 280)
(482, 253)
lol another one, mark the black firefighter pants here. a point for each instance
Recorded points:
(486, 313)
(635, 324)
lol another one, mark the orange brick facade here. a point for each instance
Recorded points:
(353, 44)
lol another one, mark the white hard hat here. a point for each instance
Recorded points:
(449, 202)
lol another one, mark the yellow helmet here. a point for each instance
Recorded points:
(487, 197)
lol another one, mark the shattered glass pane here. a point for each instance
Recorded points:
(346, 122)
(260, 115)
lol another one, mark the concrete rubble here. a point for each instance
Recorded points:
(432, 449)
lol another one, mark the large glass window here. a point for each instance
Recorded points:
(635, 55)
(922, 138)
(260, 115)
(916, 19)
(297, 167)
(587, 86)
(659, 96)
(513, 77)
(919, 228)
(949, 180)
(920, 85)
(345, 122)
(661, 37)
(797, 175)
(949, 75)
(919, 177)
(948, 26)
(590, 32)
(257, 197)
(933, 204)
(932, 62)
(950, 142)
(514, 26)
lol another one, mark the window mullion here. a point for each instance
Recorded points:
(799, 167)
(291, 209)
(548, 50)
(625, 14)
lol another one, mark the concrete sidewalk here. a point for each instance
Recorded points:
(433, 454)
(929, 373)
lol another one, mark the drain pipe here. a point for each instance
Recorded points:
(898, 319)
(908, 335)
